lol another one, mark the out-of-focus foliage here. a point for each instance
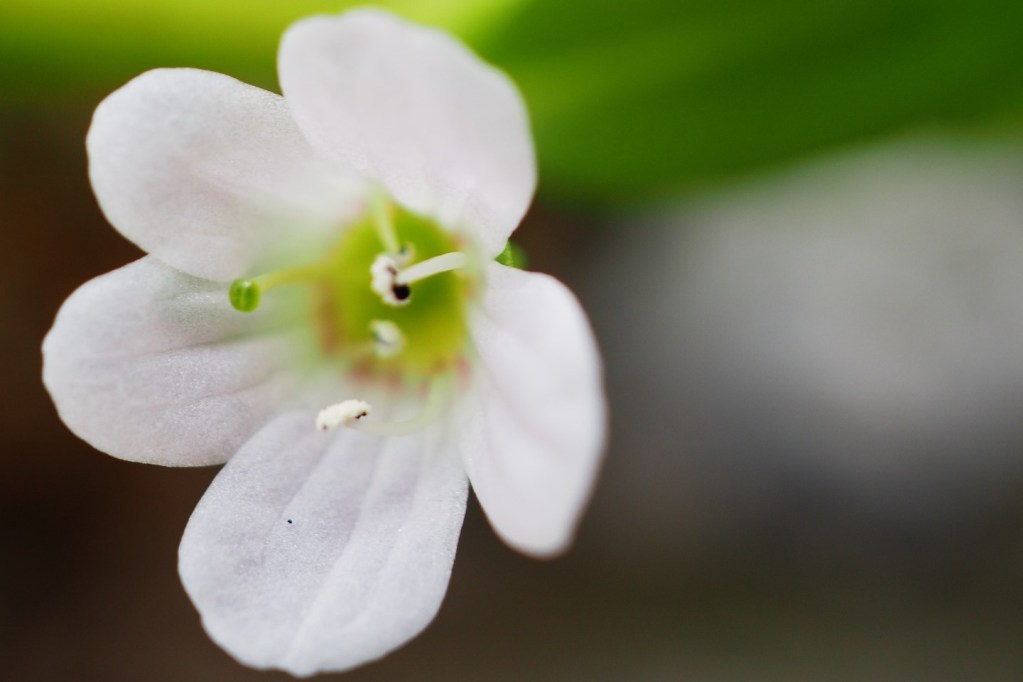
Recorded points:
(634, 99)
(49, 48)
(630, 100)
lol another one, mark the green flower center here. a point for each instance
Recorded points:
(432, 320)
(366, 313)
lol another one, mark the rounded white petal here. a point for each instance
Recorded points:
(410, 107)
(209, 174)
(318, 551)
(534, 428)
(151, 365)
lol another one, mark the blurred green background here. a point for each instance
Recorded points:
(630, 101)
(727, 539)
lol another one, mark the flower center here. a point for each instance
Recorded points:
(416, 326)
(389, 298)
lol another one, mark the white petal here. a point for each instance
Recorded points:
(446, 134)
(151, 365)
(534, 429)
(314, 551)
(207, 173)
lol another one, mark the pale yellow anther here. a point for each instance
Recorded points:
(388, 341)
(344, 413)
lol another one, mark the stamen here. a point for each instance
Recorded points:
(388, 340)
(456, 260)
(384, 274)
(436, 401)
(406, 254)
(245, 294)
(343, 413)
(383, 220)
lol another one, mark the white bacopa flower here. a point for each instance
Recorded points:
(321, 310)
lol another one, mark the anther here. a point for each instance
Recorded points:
(437, 398)
(388, 340)
(343, 413)
(244, 295)
(384, 274)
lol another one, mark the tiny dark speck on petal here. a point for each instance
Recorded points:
(289, 520)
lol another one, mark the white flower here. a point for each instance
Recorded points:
(322, 549)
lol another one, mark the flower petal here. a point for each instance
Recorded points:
(534, 429)
(446, 134)
(314, 552)
(207, 173)
(151, 365)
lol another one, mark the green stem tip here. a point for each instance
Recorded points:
(514, 256)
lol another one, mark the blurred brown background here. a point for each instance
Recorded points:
(700, 559)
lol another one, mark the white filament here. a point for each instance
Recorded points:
(456, 260)
(383, 220)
